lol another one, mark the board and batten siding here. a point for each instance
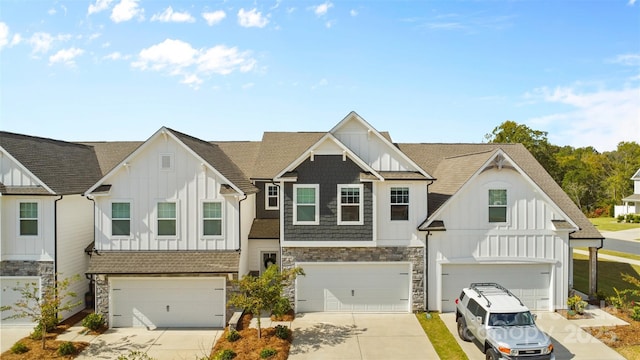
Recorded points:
(143, 183)
(528, 235)
(75, 233)
(36, 248)
(12, 174)
(370, 148)
(400, 232)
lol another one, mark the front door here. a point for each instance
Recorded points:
(267, 258)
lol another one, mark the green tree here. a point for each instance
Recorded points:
(510, 132)
(620, 165)
(264, 293)
(43, 307)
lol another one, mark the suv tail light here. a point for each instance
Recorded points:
(457, 301)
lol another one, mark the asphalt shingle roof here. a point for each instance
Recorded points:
(111, 153)
(163, 262)
(66, 168)
(453, 164)
(265, 229)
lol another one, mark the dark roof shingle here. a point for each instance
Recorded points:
(163, 262)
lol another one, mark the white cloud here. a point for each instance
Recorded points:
(66, 56)
(598, 118)
(100, 5)
(4, 35)
(168, 15)
(329, 24)
(353, 12)
(251, 18)
(631, 2)
(17, 39)
(126, 10)
(51, 11)
(179, 58)
(322, 9)
(627, 59)
(116, 55)
(214, 17)
(321, 83)
(42, 42)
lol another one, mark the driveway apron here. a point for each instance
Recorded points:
(358, 336)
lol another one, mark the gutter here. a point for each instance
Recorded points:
(240, 221)
(55, 239)
(425, 275)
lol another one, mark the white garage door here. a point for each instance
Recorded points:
(529, 282)
(354, 287)
(168, 302)
(9, 296)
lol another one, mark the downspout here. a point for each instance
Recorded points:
(240, 222)
(425, 276)
(55, 247)
(91, 277)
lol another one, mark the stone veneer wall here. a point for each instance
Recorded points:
(43, 269)
(414, 255)
(102, 293)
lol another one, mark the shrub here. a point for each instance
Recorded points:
(93, 321)
(283, 332)
(620, 218)
(233, 335)
(576, 303)
(635, 313)
(19, 348)
(267, 353)
(66, 348)
(620, 300)
(37, 333)
(225, 354)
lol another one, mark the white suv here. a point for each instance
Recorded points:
(500, 325)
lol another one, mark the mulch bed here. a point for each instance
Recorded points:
(617, 336)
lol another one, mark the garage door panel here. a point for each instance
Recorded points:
(354, 287)
(529, 282)
(9, 297)
(168, 302)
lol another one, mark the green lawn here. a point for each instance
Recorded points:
(614, 253)
(611, 224)
(441, 338)
(609, 274)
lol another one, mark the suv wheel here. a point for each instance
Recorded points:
(463, 332)
(492, 355)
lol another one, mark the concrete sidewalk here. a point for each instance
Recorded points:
(609, 257)
(352, 336)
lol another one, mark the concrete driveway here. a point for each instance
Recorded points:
(350, 336)
(569, 341)
(160, 344)
(11, 334)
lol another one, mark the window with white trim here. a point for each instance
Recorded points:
(350, 204)
(212, 218)
(271, 199)
(167, 219)
(497, 205)
(120, 219)
(28, 219)
(399, 203)
(306, 204)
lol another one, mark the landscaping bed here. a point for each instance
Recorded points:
(249, 346)
(624, 339)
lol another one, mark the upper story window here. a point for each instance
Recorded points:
(212, 218)
(497, 205)
(271, 197)
(120, 219)
(167, 219)
(399, 203)
(306, 204)
(350, 205)
(28, 219)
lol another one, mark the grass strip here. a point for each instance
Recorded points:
(441, 338)
(611, 224)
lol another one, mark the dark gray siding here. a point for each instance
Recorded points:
(328, 171)
(261, 212)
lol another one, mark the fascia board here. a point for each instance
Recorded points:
(25, 169)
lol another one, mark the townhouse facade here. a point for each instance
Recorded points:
(377, 226)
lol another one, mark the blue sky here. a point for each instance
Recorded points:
(426, 71)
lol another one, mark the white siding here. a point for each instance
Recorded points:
(400, 233)
(256, 247)
(526, 237)
(374, 151)
(75, 233)
(247, 214)
(12, 174)
(16, 247)
(144, 184)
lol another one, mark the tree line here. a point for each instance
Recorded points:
(594, 181)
